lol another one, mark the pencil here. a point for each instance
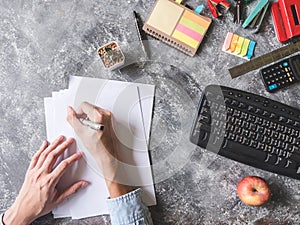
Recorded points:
(139, 34)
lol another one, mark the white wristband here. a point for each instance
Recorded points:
(1, 221)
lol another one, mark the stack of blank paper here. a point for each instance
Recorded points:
(131, 105)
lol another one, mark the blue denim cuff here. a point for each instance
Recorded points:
(129, 209)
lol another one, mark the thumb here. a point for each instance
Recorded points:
(71, 190)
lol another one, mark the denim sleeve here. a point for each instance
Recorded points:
(129, 210)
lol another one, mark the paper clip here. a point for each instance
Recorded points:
(254, 20)
(215, 5)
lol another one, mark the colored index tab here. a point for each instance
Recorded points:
(178, 1)
(245, 47)
(234, 42)
(251, 49)
(239, 46)
(228, 41)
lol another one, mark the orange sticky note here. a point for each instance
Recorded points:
(234, 42)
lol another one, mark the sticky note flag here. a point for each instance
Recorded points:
(245, 47)
(239, 46)
(227, 42)
(234, 42)
(251, 49)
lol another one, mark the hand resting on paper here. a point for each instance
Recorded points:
(101, 144)
(38, 195)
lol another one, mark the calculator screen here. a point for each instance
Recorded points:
(295, 64)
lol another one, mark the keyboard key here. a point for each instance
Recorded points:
(271, 159)
(245, 150)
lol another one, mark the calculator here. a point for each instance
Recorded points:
(281, 74)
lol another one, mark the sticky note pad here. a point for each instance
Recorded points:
(177, 25)
(239, 46)
(190, 29)
(165, 16)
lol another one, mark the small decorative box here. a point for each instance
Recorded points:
(111, 55)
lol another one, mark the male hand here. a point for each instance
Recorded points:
(103, 145)
(38, 195)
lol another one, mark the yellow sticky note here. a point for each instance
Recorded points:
(245, 47)
(238, 48)
(165, 16)
(185, 39)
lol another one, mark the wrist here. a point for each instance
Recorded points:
(13, 216)
(116, 190)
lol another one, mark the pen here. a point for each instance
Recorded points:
(139, 34)
(95, 126)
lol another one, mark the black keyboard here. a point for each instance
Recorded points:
(250, 129)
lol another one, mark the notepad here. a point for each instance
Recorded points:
(177, 26)
(131, 105)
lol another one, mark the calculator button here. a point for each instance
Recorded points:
(272, 87)
(285, 64)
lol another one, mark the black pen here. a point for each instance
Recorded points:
(139, 34)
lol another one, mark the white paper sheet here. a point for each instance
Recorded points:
(131, 127)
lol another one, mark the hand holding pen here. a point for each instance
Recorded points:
(98, 136)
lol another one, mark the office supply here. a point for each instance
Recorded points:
(254, 20)
(218, 7)
(199, 9)
(286, 19)
(264, 60)
(131, 128)
(136, 20)
(92, 125)
(239, 46)
(250, 129)
(177, 26)
(238, 7)
(281, 74)
(111, 55)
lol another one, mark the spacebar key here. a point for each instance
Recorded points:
(237, 148)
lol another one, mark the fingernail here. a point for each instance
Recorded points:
(60, 137)
(71, 140)
(85, 184)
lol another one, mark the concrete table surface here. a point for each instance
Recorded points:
(43, 42)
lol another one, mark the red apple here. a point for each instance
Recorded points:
(253, 191)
